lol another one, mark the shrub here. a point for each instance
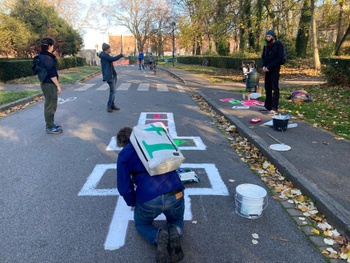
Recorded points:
(17, 68)
(337, 71)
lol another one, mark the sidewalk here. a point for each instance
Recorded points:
(317, 164)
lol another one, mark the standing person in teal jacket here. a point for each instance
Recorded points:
(109, 74)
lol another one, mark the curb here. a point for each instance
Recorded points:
(19, 102)
(336, 213)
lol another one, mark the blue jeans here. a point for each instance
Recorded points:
(111, 92)
(145, 213)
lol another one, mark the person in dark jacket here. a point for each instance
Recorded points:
(50, 86)
(272, 58)
(153, 196)
(109, 74)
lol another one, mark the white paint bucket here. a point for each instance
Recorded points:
(250, 200)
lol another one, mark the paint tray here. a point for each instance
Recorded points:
(187, 175)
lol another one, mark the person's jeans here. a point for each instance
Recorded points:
(272, 90)
(140, 64)
(145, 213)
(111, 98)
(50, 93)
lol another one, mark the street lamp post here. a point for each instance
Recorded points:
(173, 24)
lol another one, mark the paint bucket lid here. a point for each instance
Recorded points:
(251, 191)
(255, 95)
(280, 147)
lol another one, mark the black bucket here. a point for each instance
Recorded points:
(280, 124)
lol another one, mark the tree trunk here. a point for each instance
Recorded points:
(314, 36)
(344, 45)
(303, 31)
(340, 25)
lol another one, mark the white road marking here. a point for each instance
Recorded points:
(85, 87)
(104, 86)
(180, 88)
(124, 86)
(162, 87)
(143, 87)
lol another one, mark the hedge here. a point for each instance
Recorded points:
(219, 62)
(337, 71)
(18, 68)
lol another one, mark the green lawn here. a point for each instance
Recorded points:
(67, 76)
(7, 96)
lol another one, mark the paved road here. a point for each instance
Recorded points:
(58, 197)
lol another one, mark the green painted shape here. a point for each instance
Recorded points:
(151, 148)
(235, 101)
(156, 129)
(179, 142)
(184, 142)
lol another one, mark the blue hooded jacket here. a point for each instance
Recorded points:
(130, 170)
(49, 62)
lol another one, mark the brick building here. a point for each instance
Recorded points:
(128, 45)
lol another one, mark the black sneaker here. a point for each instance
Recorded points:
(162, 255)
(175, 249)
(53, 130)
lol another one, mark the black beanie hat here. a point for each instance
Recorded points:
(271, 33)
(105, 46)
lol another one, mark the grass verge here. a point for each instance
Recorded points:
(8, 96)
(66, 76)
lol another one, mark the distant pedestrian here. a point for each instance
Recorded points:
(141, 58)
(272, 57)
(151, 61)
(109, 74)
(151, 196)
(50, 86)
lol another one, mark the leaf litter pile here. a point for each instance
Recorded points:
(20, 106)
(338, 247)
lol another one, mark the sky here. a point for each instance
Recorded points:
(93, 38)
(96, 37)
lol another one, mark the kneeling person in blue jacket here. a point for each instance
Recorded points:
(153, 196)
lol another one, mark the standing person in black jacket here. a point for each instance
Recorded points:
(272, 58)
(109, 74)
(50, 86)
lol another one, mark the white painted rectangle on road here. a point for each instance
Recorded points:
(85, 87)
(180, 88)
(104, 86)
(143, 87)
(124, 86)
(162, 87)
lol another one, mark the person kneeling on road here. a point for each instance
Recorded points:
(153, 196)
